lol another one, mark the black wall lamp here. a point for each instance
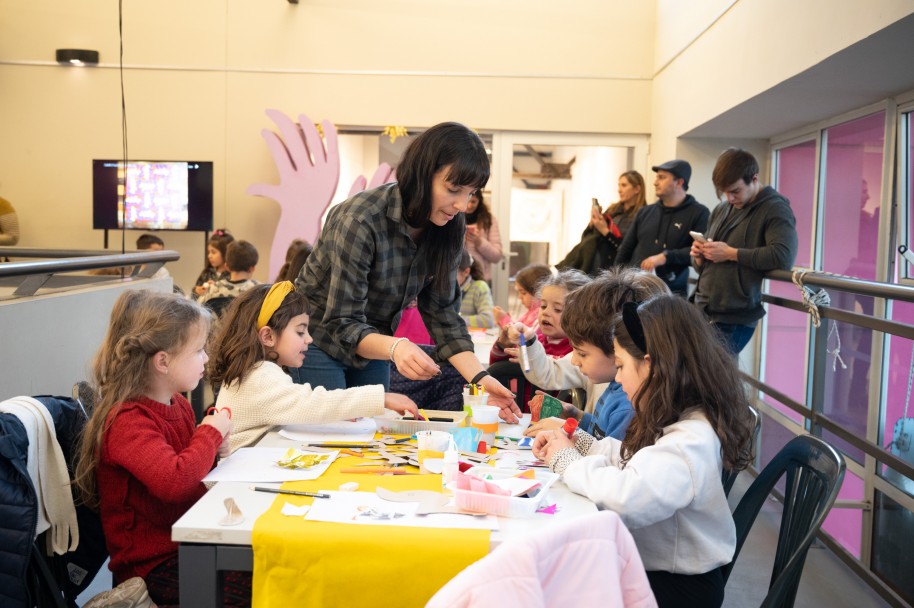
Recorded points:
(77, 57)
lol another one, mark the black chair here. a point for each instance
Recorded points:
(218, 305)
(814, 471)
(727, 477)
(505, 372)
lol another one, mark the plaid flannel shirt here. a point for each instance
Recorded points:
(365, 269)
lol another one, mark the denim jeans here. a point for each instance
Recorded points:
(735, 337)
(320, 369)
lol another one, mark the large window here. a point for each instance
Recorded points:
(785, 364)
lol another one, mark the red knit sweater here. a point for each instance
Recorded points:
(150, 472)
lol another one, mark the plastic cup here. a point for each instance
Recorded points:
(432, 445)
(485, 418)
(470, 400)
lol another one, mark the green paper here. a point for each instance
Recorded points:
(552, 407)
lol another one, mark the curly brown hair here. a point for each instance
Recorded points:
(690, 369)
(590, 309)
(236, 347)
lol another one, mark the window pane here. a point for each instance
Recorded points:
(898, 413)
(853, 182)
(850, 229)
(786, 330)
(893, 537)
(907, 270)
(845, 525)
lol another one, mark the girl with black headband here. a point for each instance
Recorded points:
(664, 477)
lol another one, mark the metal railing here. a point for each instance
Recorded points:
(29, 276)
(816, 420)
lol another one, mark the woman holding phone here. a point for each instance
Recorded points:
(604, 233)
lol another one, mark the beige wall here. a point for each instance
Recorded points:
(200, 75)
(728, 51)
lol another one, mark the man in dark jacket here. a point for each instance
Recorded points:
(750, 234)
(659, 237)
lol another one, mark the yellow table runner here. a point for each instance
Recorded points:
(310, 563)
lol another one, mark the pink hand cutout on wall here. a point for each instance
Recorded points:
(382, 175)
(308, 177)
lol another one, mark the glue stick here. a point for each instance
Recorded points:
(524, 358)
(570, 426)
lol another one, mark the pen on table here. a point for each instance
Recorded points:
(524, 359)
(293, 492)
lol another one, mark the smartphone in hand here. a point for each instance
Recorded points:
(698, 236)
(596, 205)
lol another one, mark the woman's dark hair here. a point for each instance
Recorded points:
(237, 348)
(458, 148)
(482, 217)
(689, 369)
(297, 262)
(296, 246)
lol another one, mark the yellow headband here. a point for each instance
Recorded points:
(275, 296)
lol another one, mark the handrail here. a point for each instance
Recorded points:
(848, 284)
(36, 273)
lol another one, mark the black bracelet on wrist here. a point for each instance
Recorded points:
(479, 377)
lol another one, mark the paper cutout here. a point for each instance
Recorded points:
(233, 515)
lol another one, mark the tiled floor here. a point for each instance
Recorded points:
(826, 580)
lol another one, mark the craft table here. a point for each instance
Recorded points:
(206, 547)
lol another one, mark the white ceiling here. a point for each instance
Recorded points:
(873, 69)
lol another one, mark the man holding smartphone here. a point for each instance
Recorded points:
(658, 240)
(753, 232)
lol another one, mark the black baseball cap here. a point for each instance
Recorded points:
(679, 168)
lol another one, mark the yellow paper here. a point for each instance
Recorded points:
(308, 563)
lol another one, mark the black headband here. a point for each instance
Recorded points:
(633, 325)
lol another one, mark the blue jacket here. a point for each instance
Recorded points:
(19, 511)
(611, 414)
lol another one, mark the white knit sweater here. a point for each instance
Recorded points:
(268, 397)
(669, 495)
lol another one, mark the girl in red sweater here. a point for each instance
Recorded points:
(141, 458)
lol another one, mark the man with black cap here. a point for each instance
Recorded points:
(659, 237)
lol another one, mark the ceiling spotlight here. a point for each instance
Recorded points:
(77, 57)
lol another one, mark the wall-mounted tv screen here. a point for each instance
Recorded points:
(157, 195)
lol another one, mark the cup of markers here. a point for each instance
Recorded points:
(473, 394)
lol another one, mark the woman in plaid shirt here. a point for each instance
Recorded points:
(382, 248)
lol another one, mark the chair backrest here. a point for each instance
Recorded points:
(505, 372)
(218, 305)
(814, 471)
(728, 477)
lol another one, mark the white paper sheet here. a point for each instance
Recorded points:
(515, 431)
(362, 429)
(348, 508)
(259, 464)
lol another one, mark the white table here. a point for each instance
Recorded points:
(206, 548)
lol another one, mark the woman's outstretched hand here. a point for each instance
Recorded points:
(413, 362)
(503, 398)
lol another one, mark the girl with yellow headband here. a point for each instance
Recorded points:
(263, 331)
